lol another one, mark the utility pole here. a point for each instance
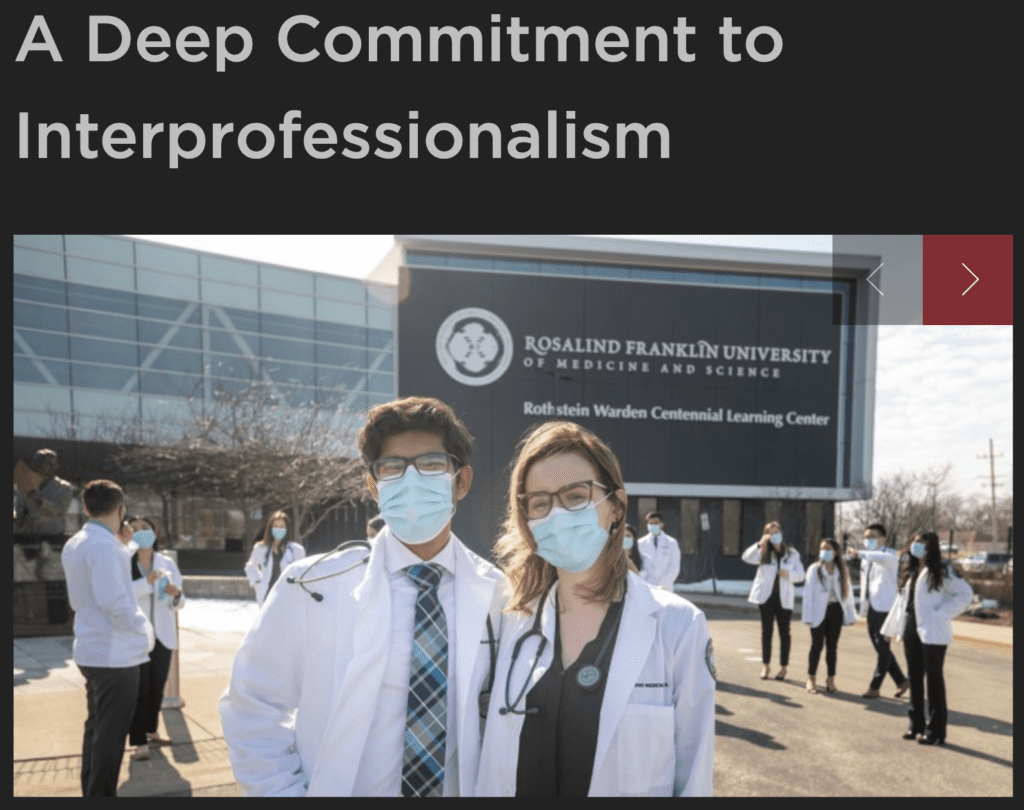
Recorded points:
(992, 474)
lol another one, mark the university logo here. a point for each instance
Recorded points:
(474, 346)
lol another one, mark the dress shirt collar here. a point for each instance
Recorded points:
(398, 557)
(103, 526)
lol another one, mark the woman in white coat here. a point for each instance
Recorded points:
(271, 554)
(931, 594)
(604, 685)
(827, 606)
(157, 583)
(778, 570)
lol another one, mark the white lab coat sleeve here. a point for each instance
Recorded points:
(694, 698)
(252, 568)
(258, 707)
(958, 595)
(753, 554)
(811, 595)
(178, 602)
(894, 622)
(849, 608)
(674, 562)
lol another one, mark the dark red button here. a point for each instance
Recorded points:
(968, 280)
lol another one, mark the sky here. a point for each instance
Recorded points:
(941, 392)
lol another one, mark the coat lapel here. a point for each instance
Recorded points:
(358, 681)
(473, 596)
(632, 646)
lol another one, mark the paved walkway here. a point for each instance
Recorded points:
(49, 712)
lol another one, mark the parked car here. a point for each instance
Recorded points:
(988, 562)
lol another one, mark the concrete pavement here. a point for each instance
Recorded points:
(772, 737)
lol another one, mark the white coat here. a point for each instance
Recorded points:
(656, 735)
(815, 598)
(764, 579)
(934, 610)
(882, 567)
(661, 562)
(305, 680)
(260, 566)
(161, 611)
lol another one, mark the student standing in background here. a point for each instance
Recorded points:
(878, 569)
(112, 635)
(778, 570)
(660, 554)
(827, 606)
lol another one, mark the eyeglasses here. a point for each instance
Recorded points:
(391, 467)
(572, 498)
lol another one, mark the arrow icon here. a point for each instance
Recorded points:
(976, 279)
(875, 271)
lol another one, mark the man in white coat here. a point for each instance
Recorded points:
(879, 566)
(364, 672)
(660, 554)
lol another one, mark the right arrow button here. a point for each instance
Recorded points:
(968, 269)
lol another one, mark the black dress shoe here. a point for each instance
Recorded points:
(910, 735)
(931, 741)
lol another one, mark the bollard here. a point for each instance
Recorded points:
(172, 691)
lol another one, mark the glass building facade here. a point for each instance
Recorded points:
(107, 327)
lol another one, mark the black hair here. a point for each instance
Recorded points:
(654, 515)
(932, 560)
(414, 413)
(877, 527)
(101, 497)
(837, 558)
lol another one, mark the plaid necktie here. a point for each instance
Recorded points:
(426, 719)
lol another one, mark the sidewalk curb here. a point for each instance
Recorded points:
(738, 604)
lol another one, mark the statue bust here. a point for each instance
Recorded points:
(44, 507)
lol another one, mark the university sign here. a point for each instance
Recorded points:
(690, 385)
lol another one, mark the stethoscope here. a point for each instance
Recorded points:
(302, 580)
(588, 677)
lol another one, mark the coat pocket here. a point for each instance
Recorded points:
(646, 749)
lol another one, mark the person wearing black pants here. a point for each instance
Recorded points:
(826, 634)
(878, 570)
(932, 593)
(112, 635)
(772, 612)
(778, 570)
(157, 583)
(110, 695)
(146, 716)
(827, 606)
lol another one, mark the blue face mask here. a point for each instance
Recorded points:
(776, 539)
(144, 538)
(826, 556)
(627, 542)
(917, 549)
(571, 541)
(416, 506)
(871, 544)
(654, 529)
(278, 533)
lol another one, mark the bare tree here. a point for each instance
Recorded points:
(249, 446)
(904, 502)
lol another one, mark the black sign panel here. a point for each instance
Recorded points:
(714, 386)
